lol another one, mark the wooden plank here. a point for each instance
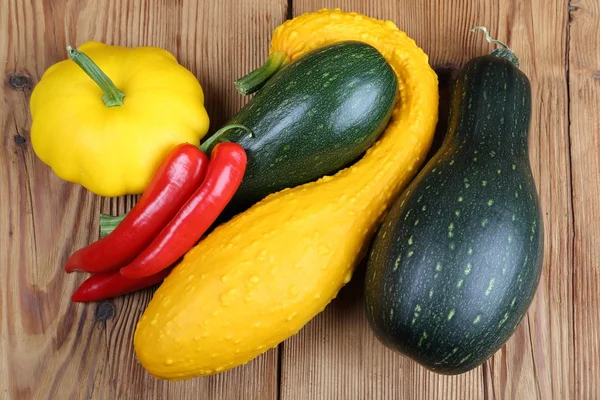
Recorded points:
(336, 355)
(584, 88)
(49, 347)
(545, 337)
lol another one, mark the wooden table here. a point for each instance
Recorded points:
(51, 348)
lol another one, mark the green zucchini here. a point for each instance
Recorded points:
(457, 260)
(315, 116)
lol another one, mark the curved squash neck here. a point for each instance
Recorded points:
(490, 107)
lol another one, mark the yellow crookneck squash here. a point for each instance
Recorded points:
(109, 130)
(259, 278)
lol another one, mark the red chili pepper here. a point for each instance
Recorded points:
(106, 285)
(225, 172)
(176, 179)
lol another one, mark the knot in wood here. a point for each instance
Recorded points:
(19, 82)
(20, 141)
(105, 310)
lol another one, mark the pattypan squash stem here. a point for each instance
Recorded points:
(112, 95)
(211, 141)
(504, 52)
(257, 78)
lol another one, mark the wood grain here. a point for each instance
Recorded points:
(545, 338)
(584, 89)
(51, 348)
(336, 356)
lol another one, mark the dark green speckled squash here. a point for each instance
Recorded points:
(312, 118)
(457, 260)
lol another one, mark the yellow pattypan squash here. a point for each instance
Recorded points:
(106, 117)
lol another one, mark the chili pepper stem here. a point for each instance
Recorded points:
(112, 95)
(257, 78)
(108, 223)
(210, 142)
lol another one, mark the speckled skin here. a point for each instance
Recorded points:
(315, 116)
(457, 260)
(259, 278)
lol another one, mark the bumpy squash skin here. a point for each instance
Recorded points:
(259, 278)
(315, 116)
(458, 258)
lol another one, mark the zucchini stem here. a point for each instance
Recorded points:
(504, 52)
(488, 37)
(257, 78)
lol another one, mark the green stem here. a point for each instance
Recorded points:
(257, 78)
(108, 223)
(210, 142)
(112, 95)
(504, 52)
